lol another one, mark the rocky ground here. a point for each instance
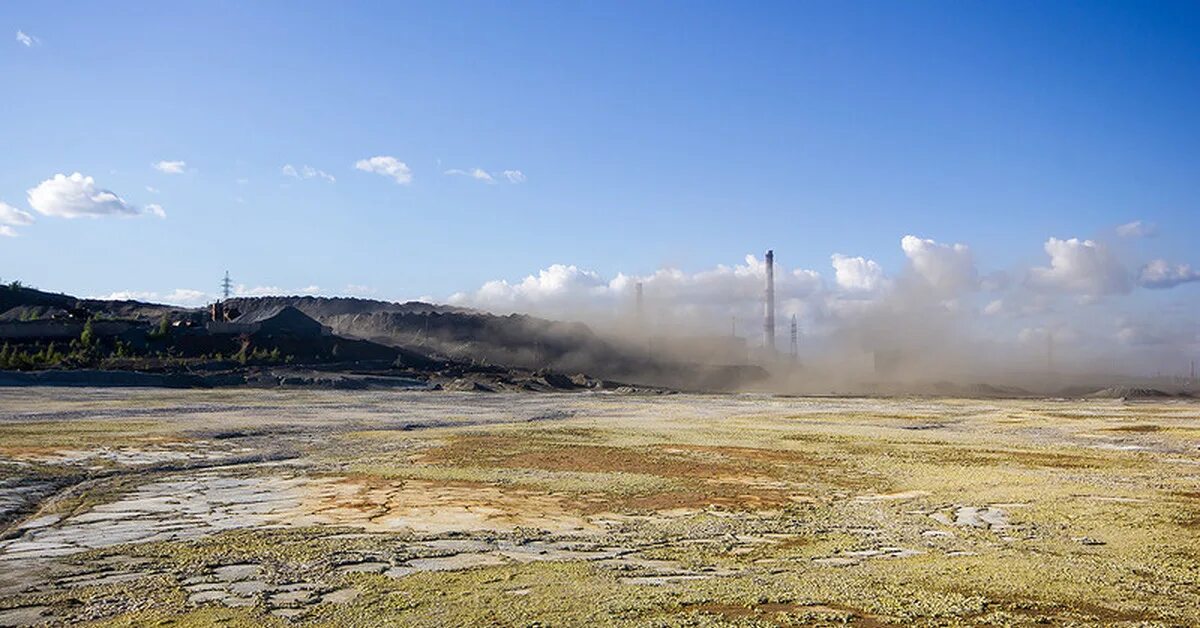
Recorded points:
(334, 507)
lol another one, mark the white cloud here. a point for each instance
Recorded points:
(170, 167)
(178, 296)
(559, 282)
(257, 291)
(1159, 274)
(10, 215)
(709, 298)
(1137, 229)
(857, 274)
(859, 309)
(387, 166)
(512, 176)
(948, 268)
(13, 217)
(307, 172)
(185, 296)
(1080, 267)
(242, 290)
(129, 295)
(152, 190)
(475, 173)
(75, 196)
(359, 290)
(156, 210)
(27, 40)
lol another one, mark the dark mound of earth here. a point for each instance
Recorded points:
(1129, 392)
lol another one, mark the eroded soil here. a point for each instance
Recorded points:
(138, 507)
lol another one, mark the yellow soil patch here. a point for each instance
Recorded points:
(430, 507)
(742, 478)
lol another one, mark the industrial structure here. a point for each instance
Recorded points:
(639, 311)
(769, 322)
(795, 340)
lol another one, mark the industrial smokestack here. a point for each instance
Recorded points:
(795, 340)
(769, 322)
(638, 307)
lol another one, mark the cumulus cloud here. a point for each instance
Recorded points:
(12, 217)
(703, 299)
(170, 167)
(27, 40)
(514, 176)
(387, 166)
(1159, 274)
(307, 172)
(77, 196)
(940, 316)
(1137, 229)
(155, 209)
(1081, 267)
(948, 268)
(559, 282)
(857, 274)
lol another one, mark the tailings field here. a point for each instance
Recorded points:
(297, 507)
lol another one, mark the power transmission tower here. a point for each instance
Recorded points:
(226, 285)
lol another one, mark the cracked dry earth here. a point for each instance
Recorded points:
(261, 508)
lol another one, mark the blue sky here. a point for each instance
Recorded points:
(646, 135)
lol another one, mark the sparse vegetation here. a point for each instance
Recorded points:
(722, 511)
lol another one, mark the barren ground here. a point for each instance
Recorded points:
(261, 508)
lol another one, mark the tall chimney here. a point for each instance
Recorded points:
(795, 340)
(769, 322)
(638, 308)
